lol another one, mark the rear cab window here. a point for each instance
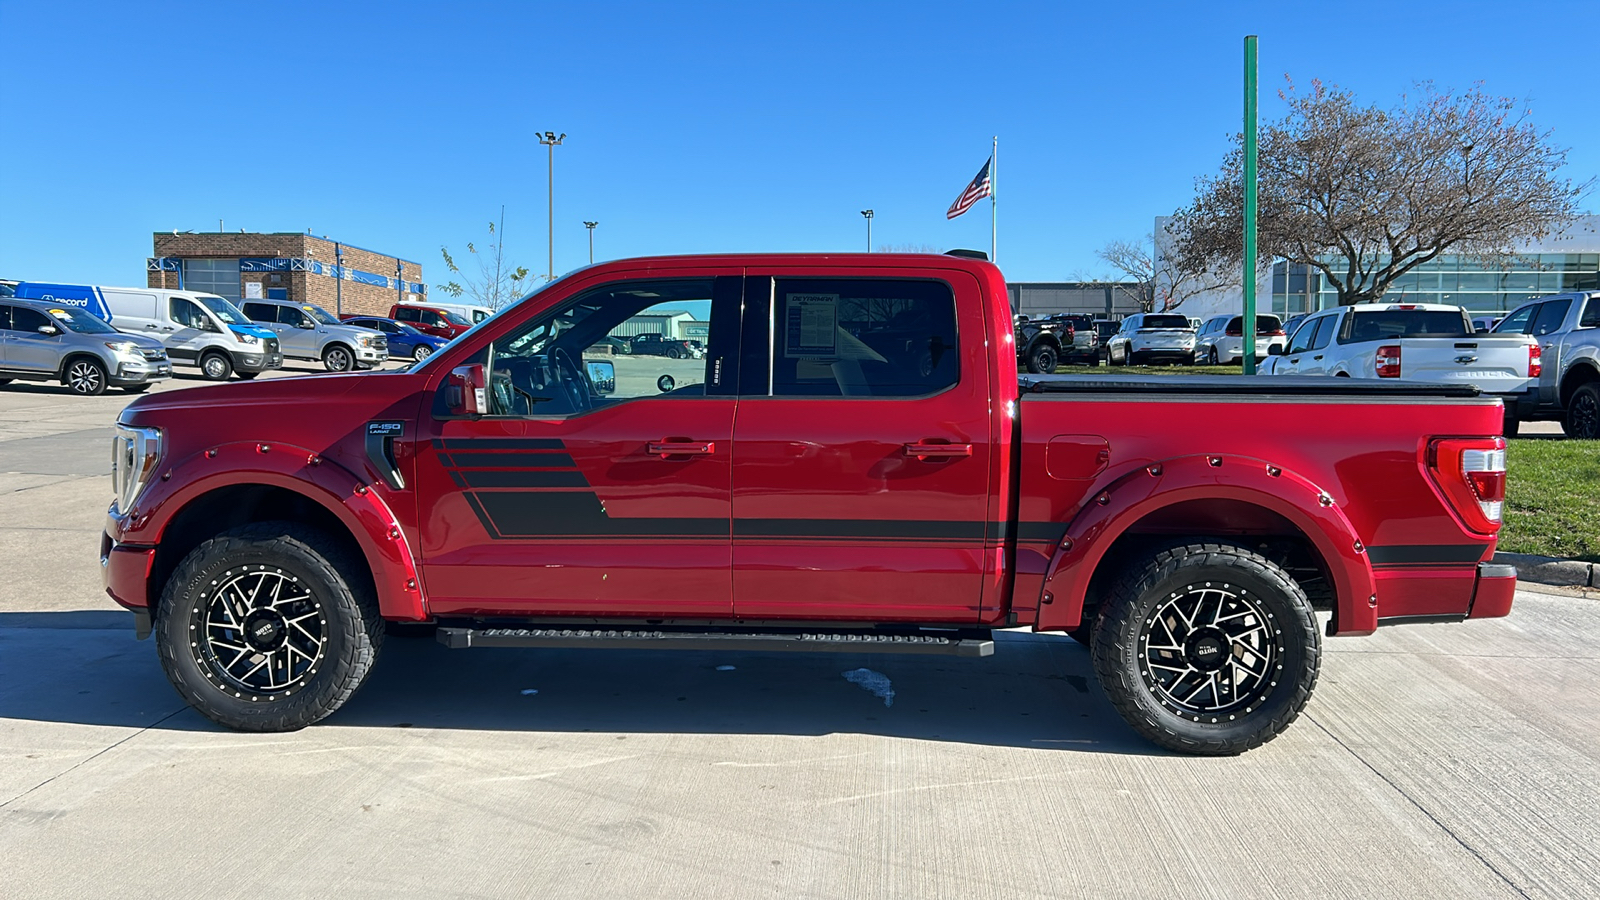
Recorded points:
(1390, 324)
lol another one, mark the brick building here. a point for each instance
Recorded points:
(287, 266)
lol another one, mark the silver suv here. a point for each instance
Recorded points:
(50, 342)
(307, 331)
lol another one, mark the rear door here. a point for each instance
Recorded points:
(30, 350)
(862, 451)
(1546, 328)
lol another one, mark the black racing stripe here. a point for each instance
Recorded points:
(579, 514)
(456, 477)
(1425, 554)
(522, 478)
(462, 460)
(1041, 531)
(866, 529)
(483, 517)
(503, 444)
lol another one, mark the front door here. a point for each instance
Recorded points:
(597, 485)
(863, 449)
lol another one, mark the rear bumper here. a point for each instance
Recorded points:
(1521, 403)
(1493, 588)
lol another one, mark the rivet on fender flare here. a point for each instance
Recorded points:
(1373, 601)
(210, 454)
(1360, 548)
(411, 584)
(1274, 471)
(1103, 499)
(1066, 544)
(361, 489)
(1325, 500)
(1215, 461)
(263, 448)
(1048, 598)
(1155, 470)
(313, 460)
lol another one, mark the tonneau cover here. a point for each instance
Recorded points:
(1281, 385)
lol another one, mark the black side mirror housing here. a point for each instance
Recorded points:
(1276, 350)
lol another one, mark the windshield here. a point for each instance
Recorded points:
(453, 318)
(80, 321)
(1165, 322)
(320, 314)
(466, 335)
(222, 309)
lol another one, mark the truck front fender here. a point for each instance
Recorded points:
(1126, 499)
(348, 498)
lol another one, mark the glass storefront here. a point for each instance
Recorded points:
(1455, 280)
(212, 276)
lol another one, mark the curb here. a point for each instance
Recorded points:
(1549, 570)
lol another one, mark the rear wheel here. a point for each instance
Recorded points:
(216, 367)
(85, 377)
(1042, 359)
(1511, 425)
(1582, 420)
(338, 358)
(1211, 357)
(1208, 648)
(261, 629)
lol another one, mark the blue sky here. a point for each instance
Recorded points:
(692, 127)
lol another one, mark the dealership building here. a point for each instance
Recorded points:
(1101, 299)
(336, 276)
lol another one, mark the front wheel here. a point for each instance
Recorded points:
(261, 628)
(1209, 649)
(86, 378)
(1042, 359)
(1582, 420)
(338, 359)
(421, 352)
(216, 367)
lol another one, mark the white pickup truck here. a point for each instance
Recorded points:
(1417, 342)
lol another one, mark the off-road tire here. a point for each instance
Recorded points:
(1042, 359)
(85, 377)
(338, 358)
(1582, 419)
(216, 367)
(1128, 622)
(350, 626)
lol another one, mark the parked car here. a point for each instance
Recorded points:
(1104, 329)
(1041, 343)
(307, 331)
(51, 342)
(8, 289)
(403, 339)
(429, 319)
(1418, 342)
(467, 312)
(1220, 341)
(615, 346)
(809, 495)
(197, 329)
(1567, 327)
(659, 345)
(1152, 337)
(1085, 346)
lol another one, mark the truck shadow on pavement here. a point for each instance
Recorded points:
(1037, 691)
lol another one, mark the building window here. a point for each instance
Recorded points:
(212, 276)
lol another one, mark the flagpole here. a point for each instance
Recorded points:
(994, 201)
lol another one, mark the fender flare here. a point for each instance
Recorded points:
(360, 508)
(1129, 497)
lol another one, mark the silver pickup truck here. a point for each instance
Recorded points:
(1567, 327)
(1413, 342)
(307, 331)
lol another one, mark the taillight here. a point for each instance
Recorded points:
(1472, 474)
(1389, 361)
(1235, 332)
(1535, 361)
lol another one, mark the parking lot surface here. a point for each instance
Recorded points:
(1433, 761)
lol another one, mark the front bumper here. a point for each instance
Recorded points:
(143, 371)
(257, 362)
(369, 355)
(125, 571)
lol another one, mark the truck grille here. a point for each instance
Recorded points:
(272, 345)
(380, 343)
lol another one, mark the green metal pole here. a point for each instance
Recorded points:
(1249, 348)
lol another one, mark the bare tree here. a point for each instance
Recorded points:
(1365, 195)
(495, 283)
(1160, 283)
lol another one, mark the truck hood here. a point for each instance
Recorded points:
(298, 392)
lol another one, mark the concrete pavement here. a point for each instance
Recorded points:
(1433, 761)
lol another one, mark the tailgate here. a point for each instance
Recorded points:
(1496, 364)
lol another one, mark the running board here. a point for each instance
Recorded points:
(641, 639)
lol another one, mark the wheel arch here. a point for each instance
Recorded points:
(75, 355)
(237, 484)
(1231, 498)
(1581, 373)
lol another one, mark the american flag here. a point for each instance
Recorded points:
(977, 190)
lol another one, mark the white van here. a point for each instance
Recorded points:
(473, 314)
(198, 329)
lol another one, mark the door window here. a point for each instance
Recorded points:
(28, 321)
(5, 317)
(862, 338)
(294, 318)
(187, 313)
(1517, 322)
(261, 312)
(408, 314)
(1326, 326)
(1591, 314)
(1303, 335)
(1550, 317)
(565, 362)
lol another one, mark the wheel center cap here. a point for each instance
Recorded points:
(264, 630)
(1207, 650)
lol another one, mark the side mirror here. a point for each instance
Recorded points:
(467, 391)
(603, 375)
(307, 324)
(1480, 330)
(48, 329)
(1276, 350)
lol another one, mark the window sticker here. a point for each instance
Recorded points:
(61, 314)
(811, 326)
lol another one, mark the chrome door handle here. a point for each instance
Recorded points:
(666, 449)
(927, 450)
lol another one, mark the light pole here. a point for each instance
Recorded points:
(590, 226)
(867, 214)
(549, 139)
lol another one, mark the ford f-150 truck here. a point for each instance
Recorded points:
(809, 485)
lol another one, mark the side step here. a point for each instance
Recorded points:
(966, 643)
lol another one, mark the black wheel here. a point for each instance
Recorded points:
(216, 367)
(260, 629)
(137, 388)
(1582, 420)
(4, 381)
(248, 375)
(1211, 357)
(421, 352)
(1208, 649)
(1042, 359)
(1132, 359)
(338, 358)
(673, 353)
(85, 377)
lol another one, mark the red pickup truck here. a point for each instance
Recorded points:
(854, 465)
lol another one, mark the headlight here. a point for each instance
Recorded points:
(365, 341)
(135, 452)
(125, 348)
(248, 340)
